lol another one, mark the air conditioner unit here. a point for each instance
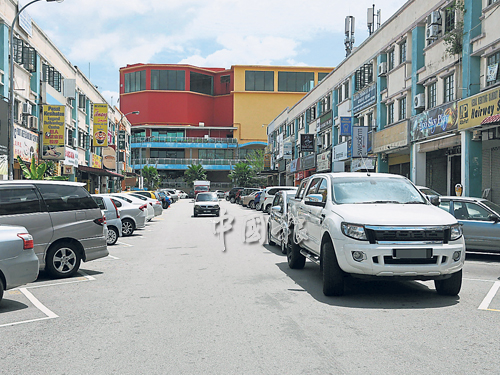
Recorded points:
(419, 101)
(75, 142)
(434, 18)
(433, 32)
(382, 68)
(27, 109)
(33, 122)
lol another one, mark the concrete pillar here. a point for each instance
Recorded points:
(472, 165)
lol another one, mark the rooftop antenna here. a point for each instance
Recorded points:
(371, 19)
(349, 35)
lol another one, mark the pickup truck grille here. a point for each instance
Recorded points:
(393, 234)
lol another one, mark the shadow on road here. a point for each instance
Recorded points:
(364, 294)
(8, 305)
(483, 257)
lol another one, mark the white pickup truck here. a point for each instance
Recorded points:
(373, 225)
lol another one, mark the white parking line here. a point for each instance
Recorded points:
(113, 257)
(125, 244)
(489, 297)
(49, 314)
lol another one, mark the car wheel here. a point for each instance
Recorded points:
(257, 206)
(269, 237)
(333, 276)
(62, 260)
(251, 205)
(128, 227)
(295, 259)
(450, 286)
(283, 247)
(2, 287)
(268, 209)
(217, 214)
(227, 198)
(195, 214)
(232, 200)
(112, 236)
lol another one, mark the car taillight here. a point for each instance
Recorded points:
(158, 202)
(100, 221)
(27, 240)
(143, 207)
(116, 209)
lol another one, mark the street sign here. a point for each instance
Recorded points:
(121, 139)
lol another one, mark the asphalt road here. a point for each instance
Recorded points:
(169, 300)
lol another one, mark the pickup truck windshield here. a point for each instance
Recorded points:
(375, 190)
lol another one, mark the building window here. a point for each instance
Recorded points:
(339, 93)
(168, 80)
(135, 81)
(369, 120)
(52, 77)
(491, 1)
(449, 88)
(202, 83)
(363, 76)
(225, 83)
(390, 59)
(431, 96)
(390, 113)
(301, 122)
(346, 89)
(402, 108)
(295, 81)
(82, 102)
(311, 114)
(325, 104)
(402, 52)
(492, 75)
(321, 76)
(259, 81)
(449, 20)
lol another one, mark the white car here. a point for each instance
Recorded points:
(150, 212)
(266, 198)
(182, 194)
(155, 203)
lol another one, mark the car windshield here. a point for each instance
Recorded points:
(206, 197)
(428, 191)
(202, 188)
(492, 206)
(375, 190)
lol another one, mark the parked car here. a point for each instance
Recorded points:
(277, 227)
(480, 219)
(156, 204)
(164, 199)
(133, 215)
(182, 194)
(257, 202)
(428, 191)
(148, 208)
(191, 194)
(244, 194)
(173, 194)
(18, 262)
(232, 194)
(269, 193)
(248, 200)
(113, 220)
(220, 194)
(67, 225)
(206, 203)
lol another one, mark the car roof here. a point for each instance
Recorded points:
(45, 182)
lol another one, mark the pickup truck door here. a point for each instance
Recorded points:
(316, 215)
(307, 214)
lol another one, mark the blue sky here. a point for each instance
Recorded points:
(100, 36)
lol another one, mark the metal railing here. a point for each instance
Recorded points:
(156, 161)
(164, 138)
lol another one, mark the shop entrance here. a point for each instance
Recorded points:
(455, 172)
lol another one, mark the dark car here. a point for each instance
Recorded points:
(191, 194)
(231, 197)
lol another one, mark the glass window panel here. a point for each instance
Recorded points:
(249, 81)
(269, 81)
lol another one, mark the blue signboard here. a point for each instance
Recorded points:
(364, 98)
(345, 126)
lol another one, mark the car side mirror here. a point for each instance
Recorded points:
(434, 199)
(314, 200)
(276, 208)
(493, 217)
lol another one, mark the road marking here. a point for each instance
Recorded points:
(489, 297)
(49, 314)
(113, 257)
(125, 244)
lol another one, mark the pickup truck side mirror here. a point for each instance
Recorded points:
(314, 200)
(493, 217)
(434, 199)
(276, 208)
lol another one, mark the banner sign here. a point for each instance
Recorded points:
(340, 152)
(100, 125)
(362, 164)
(295, 165)
(281, 150)
(359, 141)
(345, 126)
(267, 161)
(308, 162)
(71, 157)
(364, 98)
(96, 161)
(53, 132)
(433, 122)
(25, 143)
(325, 121)
(307, 142)
(475, 109)
(324, 161)
(287, 150)
(492, 73)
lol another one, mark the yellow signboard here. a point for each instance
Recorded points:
(100, 125)
(96, 161)
(473, 110)
(53, 132)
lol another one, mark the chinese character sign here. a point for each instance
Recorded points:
(100, 125)
(53, 132)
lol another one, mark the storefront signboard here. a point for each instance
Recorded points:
(307, 142)
(100, 125)
(267, 162)
(109, 157)
(325, 121)
(340, 152)
(295, 165)
(391, 138)
(324, 161)
(473, 110)
(287, 150)
(308, 162)
(345, 125)
(70, 157)
(362, 164)
(360, 141)
(364, 98)
(53, 132)
(25, 143)
(433, 122)
(96, 161)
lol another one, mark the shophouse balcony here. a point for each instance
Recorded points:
(183, 164)
(183, 142)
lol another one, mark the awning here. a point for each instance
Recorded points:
(99, 171)
(491, 120)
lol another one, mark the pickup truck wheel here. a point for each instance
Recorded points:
(333, 276)
(283, 247)
(295, 259)
(451, 286)
(269, 238)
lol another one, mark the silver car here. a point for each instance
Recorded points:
(156, 204)
(132, 215)
(18, 262)
(66, 224)
(480, 219)
(277, 227)
(113, 220)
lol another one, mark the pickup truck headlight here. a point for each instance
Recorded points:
(455, 232)
(354, 231)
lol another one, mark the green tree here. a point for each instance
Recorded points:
(42, 171)
(151, 177)
(453, 39)
(256, 160)
(243, 175)
(195, 172)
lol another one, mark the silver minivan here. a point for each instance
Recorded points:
(66, 224)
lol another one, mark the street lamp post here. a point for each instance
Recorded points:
(11, 89)
(117, 134)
